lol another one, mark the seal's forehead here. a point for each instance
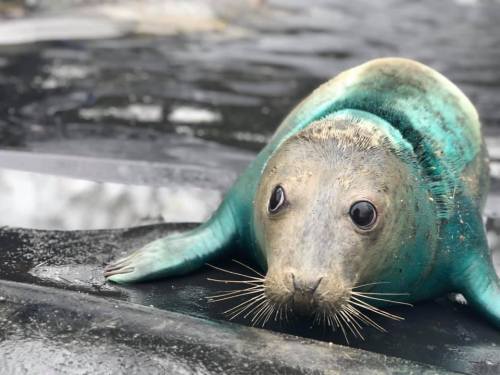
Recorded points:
(350, 150)
(346, 132)
(333, 147)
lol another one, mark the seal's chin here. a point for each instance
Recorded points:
(304, 304)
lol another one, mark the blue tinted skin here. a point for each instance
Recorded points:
(436, 132)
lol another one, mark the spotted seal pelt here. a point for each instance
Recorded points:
(373, 184)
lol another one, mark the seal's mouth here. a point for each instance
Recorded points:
(304, 304)
(265, 300)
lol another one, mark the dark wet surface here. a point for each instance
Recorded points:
(73, 331)
(439, 332)
(165, 123)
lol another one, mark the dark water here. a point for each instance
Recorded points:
(248, 76)
(119, 127)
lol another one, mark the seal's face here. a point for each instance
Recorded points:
(330, 213)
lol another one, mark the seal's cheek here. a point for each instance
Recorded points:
(279, 284)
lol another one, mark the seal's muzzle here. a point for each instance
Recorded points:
(305, 299)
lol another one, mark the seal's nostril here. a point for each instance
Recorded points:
(293, 281)
(304, 285)
(313, 289)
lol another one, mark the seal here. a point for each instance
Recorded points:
(372, 186)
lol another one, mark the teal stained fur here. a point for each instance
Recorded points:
(433, 128)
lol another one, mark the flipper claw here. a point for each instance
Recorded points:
(118, 264)
(118, 271)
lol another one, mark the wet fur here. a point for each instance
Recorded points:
(392, 129)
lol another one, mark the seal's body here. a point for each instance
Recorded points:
(378, 180)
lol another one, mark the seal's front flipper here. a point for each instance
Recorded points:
(175, 254)
(481, 288)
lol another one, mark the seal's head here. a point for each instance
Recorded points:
(332, 212)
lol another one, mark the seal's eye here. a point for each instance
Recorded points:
(363, 214)
(277, 200)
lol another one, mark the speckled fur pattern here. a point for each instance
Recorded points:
(391, 131)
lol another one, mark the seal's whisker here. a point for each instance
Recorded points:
(235, 273)
(237, 291)
(376, 310)
(269, 314)
(367, 306)
(248, 267)
(219, 299)
(350, 321)
(375, 283)
(356, 315)
(222, 293)
(350, 324)
(278, 312)
(366, 319)
(242, 309)
(333, 322)
(317, 318)
(245, 304)
(383, 294)
(323, 319)
(346, 322)
(265, 313)
(234, 281)
(286, 312)
(361, 295)
(256, 307)
(262, 307)
(320, 317)
(328, 320)
(352, 317)
(339, 324)
(258, 312)
(356, 323)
